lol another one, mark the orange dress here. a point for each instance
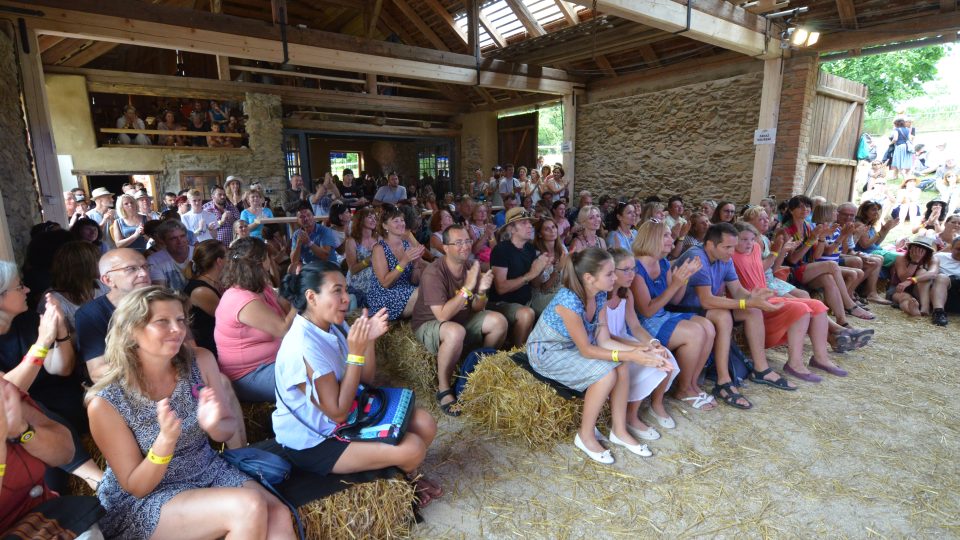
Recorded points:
(749, 269)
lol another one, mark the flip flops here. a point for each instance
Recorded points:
(865, 315)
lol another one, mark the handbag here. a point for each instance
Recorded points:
(268, 469)
(377, 415)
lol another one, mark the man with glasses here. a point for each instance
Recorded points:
(449, 316)
(122, 271)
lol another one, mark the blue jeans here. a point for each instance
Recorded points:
(258, 385)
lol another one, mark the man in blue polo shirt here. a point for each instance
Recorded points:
(716, 292)
(312, 241)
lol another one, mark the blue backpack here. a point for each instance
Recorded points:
(740, 366)
(468, 365)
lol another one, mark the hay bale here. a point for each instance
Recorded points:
(378, 509)
(258, 420)
(504, 399)
(403, 361)
(77, 485)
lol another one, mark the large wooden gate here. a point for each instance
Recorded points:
(834, 134)
(517, 139)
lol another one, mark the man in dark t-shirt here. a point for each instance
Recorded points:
(515, 264)
(449, 316)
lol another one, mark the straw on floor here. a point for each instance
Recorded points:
(378, 509)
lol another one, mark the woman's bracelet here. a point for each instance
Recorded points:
(58, 340)
(615, 355)
(158, 460)
(356, 360)
(399, 268)
(743, 303)
(775, 253)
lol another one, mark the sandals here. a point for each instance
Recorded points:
(730, 397)
(780, 384)
(860, 337)
(699, 401)
(447, 408)
(844, 342)
(865, 315)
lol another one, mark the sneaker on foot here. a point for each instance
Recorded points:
(939, 317)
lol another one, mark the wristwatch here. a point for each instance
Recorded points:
(27, 435)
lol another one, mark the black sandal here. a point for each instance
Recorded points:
(780, 384)
(447, 408)
(730, 398)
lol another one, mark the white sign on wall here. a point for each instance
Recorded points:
(765, 136)
(566, 146)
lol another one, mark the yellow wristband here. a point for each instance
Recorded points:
(615, 355)
(3, 470)
(399, 268)
(356, 359)
(743, 304)
(158, 460)
(914, 280)
(775, 253)
(38, 351)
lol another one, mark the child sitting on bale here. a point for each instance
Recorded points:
(571, 345)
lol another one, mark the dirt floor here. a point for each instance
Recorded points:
(876, 454)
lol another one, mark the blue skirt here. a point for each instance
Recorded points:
(662, 325)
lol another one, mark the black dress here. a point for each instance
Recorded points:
(202, 323)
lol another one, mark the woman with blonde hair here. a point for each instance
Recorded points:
(127, 230)
(255, 212)
(590, 223)
(153, 413)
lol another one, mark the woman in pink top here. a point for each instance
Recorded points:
(251, 321)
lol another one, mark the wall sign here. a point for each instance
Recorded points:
(765, 136)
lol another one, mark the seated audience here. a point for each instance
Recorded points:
(835, 237)
(796, 317)
(949, 262)
(75, 279)
(589, 229)
(869, 239)
(439, 222)
(726, 212)
(130, 120)
(312, 241)
(319, 367)
(396, 268)
(339, 223)
(122, 271)
(547, 241)
(170, 263)
(558, 211)
(449, 317)
(715, 291)
(204, 292)
(241, 229)
(687, 335)
(127, 230)
(392, 193)
(250, 321)
(854, 257)
(482, 232)
(358, 250)
(674, 212)
(515, 265)
(624, 327)
(154, 414)
(255, 212)
(652, 211)
(699, 223)
(169, 123)
(201, 222)
(572, 346)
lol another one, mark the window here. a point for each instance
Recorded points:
(433, 159)
(291, 152)
(345, 160)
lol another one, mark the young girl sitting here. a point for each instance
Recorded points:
(570, 344)
(320, 363)
(624, 326)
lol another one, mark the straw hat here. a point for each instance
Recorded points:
(922, 241)
(514, 215)
(100, 192)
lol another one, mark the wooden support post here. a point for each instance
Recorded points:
(570, 102)
(473, 28)
(223, 62)
(769, 115)
(372, 84)
(372, 16)
(41, 135)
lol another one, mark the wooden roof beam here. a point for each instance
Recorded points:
(848, 14)
(492, 31)
(423, 27)
(715, 22)
(881, 34)
(372, 17)
(146, 25)
(569, 13)
(447, 17)
(605, 65)
(526, 18)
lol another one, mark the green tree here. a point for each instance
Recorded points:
(890, 77)
(550, 129)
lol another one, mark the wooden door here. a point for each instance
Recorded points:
(836, 123)
(517, 139)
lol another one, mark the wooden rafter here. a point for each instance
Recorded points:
(605, 65)
(916, 28)
(447, 18)
(46, 42)
(526, 18)
(492, 31)
(568, 12)
(649, 55)
(373, 16)
(848, 14)
(485, 95)
(89, 54)
(423, 27)
(765, 6)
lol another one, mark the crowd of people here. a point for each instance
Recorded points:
(148, 331)
(196, 116)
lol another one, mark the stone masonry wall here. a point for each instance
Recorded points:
(18, 186)
(695, 141)
(264, 162)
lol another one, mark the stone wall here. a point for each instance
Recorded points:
(263, 163)
(21, 203)
(694, 140)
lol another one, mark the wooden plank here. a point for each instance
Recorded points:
(765, 6)
(473, 28)
(39, 125)
(89, 54)
(423, 27)
(769, 116)
(649, 55)
(537, 99)
(812, 186)
(45, 42)
(491, 30)
(526, 18)
(605, 65)
(832, 161)
(880, 34)
(63, 50)
(447, 18)
(746, 38)
(485, 95)
(373, 16)
(172, 132)
(848, 14)
(570, 102)
(352, 127)
(118, 82)
(164, 27)
(947, 6)
(840, 94)
(568, 12)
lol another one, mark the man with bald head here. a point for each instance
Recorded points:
(122, 271)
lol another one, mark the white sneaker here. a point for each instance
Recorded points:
(638, 449)
(648, 434)
(604, 457)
